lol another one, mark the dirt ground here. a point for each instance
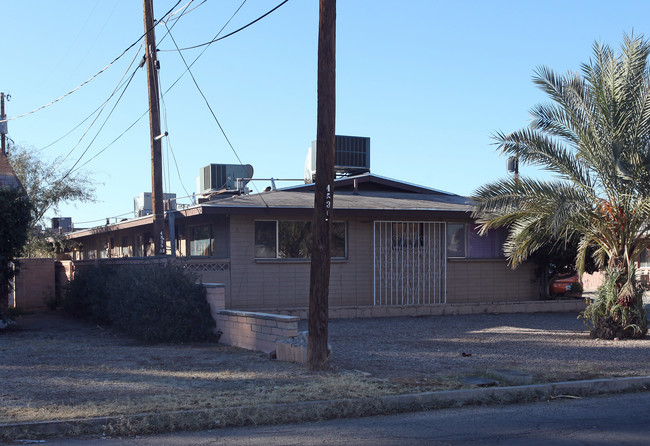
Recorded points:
(54, 367)
(548, 346)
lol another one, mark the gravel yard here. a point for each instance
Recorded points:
(550, 346)
(55, 367)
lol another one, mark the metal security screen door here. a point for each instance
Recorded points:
(410, 263)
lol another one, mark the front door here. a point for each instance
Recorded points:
(409, 263)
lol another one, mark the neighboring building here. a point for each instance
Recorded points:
(393, 244)
(61, 225)
(8, 177)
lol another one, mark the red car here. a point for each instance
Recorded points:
(563, 284)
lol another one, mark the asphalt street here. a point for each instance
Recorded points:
(605, 420)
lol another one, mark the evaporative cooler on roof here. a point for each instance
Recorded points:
(214, 177)
(351, 157)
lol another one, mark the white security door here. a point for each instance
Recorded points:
(410, 263)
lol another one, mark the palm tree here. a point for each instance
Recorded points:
(594, 137)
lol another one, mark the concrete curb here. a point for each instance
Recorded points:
(316, 410)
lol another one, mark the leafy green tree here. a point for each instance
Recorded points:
(594, 137)
(48, 185)
(15, 213)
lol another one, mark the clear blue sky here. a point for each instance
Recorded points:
(428, 81)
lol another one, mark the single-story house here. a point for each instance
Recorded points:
(393, 244)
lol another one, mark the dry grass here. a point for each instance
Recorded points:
(56, 368)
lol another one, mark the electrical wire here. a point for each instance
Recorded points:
(204, 49)
(103, 106)
(120, 86)
(216, 39)
(207, 103)
(169, 148)
(84, 120)
(102, 126)
(124, 132)
(188, 69)
(124, 214)
(95, 75)
(46, 208)
(171, 16)
(103, 219)
(170, 87)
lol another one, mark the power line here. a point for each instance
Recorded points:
(114, 140)
(104, 105)
(103, 219)
(171, 86)
(212, 111)
(188, 69)
(120, 86)
(92, 77)
(130, 212)
(169, 148)
(46, 208)
(229, 34)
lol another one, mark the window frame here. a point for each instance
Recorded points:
(294, 259)
(447, 239)
(190, 239)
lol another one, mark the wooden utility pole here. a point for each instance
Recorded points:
(154, 123)
(3, 124)
(324, 189)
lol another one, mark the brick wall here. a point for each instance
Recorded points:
(284, 283)
(540, 306)
(490, 281)
(252, 331)
(35, 283)
(255, 331)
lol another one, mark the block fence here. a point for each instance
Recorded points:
(246, 329)
(268, 332)
(540, 306)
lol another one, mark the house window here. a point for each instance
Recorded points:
(487, 246)
(407, 235)
(292, 239)
(104, 253)
(456, 240)
(201, 241)
(127, 250)
(644, 259)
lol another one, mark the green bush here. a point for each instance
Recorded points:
(155, 302)
(86, 296)
(617, 311)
